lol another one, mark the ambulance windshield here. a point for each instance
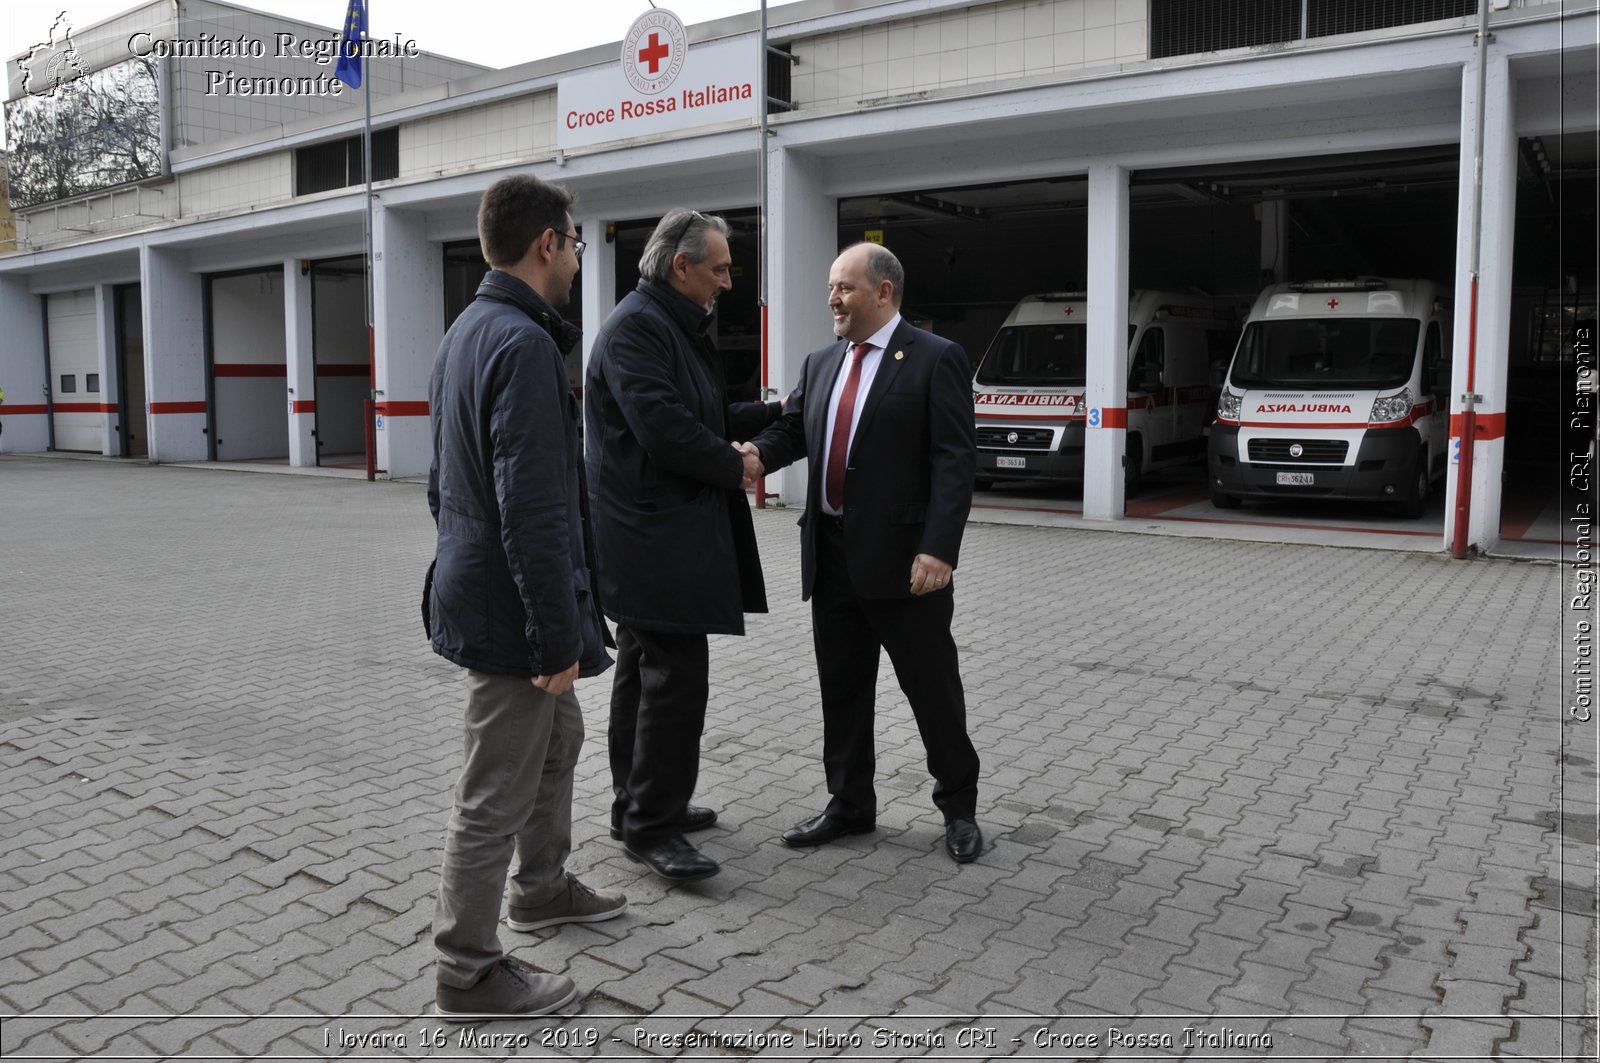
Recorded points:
(1036, 356)
(1352, 352)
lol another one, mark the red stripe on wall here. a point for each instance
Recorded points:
(222, 369)
(177, 407)
(85, 407)
(1489, 425)
(342, 369)
(403, 409)
(303, 406)
(13, 410)
(1113, 417)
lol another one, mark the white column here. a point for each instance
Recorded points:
(174, 356)
(802, 242)
(105, 337)
(1105, 441)
(1489, 360)
(24, 422)
(301, 366)
(599, 283)
(408, 295)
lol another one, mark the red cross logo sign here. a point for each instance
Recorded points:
(654, 50)
(652, 53)
(1333, 303)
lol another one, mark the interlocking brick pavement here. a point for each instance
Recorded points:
(1326, 797)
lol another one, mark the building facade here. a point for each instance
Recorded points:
(999, 148)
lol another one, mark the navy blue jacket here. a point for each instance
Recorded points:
(676, 542)
(513, 584)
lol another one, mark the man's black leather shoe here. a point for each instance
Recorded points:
(963, 840)
(674, 860)
(824, 829)
(694, 818)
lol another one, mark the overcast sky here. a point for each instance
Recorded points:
(497, 33)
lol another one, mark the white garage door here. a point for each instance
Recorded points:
(75, 385)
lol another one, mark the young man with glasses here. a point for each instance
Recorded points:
(677, 545)
(512, 600)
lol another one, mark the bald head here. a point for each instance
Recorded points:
(864, 290)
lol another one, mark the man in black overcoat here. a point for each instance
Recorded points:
(676, 543)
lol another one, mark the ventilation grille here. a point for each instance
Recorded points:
(1186, 27)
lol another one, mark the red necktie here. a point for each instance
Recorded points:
(839, 446)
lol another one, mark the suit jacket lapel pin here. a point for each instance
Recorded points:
(899, 356)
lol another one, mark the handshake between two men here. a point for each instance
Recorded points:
(753, 469)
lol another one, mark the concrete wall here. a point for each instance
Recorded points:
(172, 303)
(969, 46)
(408, 282)
(24, 425)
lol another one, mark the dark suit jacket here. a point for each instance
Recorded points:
(908, 482)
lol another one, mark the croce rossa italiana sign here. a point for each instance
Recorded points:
(661, 85)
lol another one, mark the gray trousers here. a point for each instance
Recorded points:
(514, 797)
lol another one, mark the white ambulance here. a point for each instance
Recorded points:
(1028, 391)
(1339, 390)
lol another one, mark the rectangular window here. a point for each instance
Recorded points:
(91, 383)
(780, 82)
(69, 384)
(323, 167)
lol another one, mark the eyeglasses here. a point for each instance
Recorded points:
(577, 244)
(684, 227)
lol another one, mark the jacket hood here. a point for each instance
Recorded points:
(505, 288)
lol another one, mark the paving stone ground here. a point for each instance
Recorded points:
(1300, 802)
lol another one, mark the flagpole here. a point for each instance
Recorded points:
(372, 343)
(761, 226)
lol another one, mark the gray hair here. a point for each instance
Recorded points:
(681, 230)
(882, 265)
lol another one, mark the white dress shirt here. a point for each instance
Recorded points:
(870, 361)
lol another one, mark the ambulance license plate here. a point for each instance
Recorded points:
(1008, 461)
(1297, 479)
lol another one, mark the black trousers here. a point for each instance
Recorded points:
(848, 632)
(658, 711)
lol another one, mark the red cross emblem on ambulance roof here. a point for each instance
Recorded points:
(1333, 303)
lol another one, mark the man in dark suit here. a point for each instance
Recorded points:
(886, 419)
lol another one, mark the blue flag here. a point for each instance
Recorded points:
(348, 68)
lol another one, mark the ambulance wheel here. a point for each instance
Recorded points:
(1222, 501)
(982, 484)
(1133, 467)
(1416, 501)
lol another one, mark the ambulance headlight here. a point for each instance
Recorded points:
(1391, 408)
(1228, 406)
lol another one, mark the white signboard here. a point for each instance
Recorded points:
(660, 86)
